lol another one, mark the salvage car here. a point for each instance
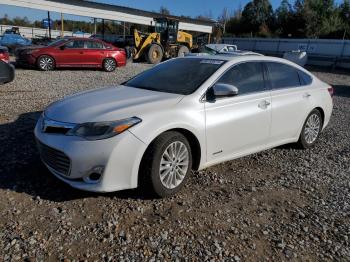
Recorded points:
(13, 40)
(181, 115)
(7, 71)
(73, 52)
(221, 49)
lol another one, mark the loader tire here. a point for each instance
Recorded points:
(154, 54)
(182, 51)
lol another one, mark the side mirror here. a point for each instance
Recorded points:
(62, 47)
(224, 90)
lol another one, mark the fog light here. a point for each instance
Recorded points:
(94, 175)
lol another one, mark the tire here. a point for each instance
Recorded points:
(154, 54)
(161, 176)
(311, 130)
(109, 65)
(46, 63)
(182, 51)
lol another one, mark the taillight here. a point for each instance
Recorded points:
(4, 56)
(331, 91)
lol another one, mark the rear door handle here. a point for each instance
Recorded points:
(264, 104)
(306, 95)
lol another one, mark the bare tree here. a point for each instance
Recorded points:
(164, 11)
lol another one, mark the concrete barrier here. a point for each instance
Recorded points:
(322, 52)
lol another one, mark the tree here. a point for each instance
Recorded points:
(316, 13)
(224, 18)
(345, 16)
(256, 15)
(283, 15)
(164, 11)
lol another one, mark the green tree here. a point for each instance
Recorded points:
(284, 14)
(257, 15)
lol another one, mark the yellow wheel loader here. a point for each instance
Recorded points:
(166, 42)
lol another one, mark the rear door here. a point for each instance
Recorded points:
(291, 101)
(240, 124)
(95, 52)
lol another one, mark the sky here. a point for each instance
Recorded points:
(177, 7)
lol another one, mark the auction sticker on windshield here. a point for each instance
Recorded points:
(214, 62)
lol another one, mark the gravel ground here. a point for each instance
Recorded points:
(281, 204)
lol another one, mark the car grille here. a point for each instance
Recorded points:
(55, 159)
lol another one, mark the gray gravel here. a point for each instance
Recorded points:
(281, 204)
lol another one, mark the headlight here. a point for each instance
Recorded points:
(103, 130)
(31, 51)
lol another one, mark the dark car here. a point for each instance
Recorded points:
(73, 52)
(7, 71)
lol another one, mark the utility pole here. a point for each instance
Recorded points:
(62, 26)
(124, 31)
(49, 23)
(95, 26)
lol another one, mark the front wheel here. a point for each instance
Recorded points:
(154, 54)
(46, 63)
(311, 129)
(166, 165)
(183, 50)
(109, 65)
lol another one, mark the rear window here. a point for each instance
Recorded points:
(178, 76)
(305, 79)
(282, 75)
(94, 45)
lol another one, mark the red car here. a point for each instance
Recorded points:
(73, 52)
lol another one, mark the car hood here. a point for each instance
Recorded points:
(109, 104)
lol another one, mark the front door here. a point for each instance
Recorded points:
(72, 54)
(241, 124)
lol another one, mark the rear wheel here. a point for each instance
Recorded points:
(311, 129)
(109, 65)
(166, 165)
(154, 54)
(182, 51)
(46, 63)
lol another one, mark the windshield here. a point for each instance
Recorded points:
(179, 76)
(209, 50)
(58, 42)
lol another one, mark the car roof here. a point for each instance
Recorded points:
(219, 45)
(243, 58)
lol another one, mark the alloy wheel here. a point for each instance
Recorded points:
(109, 65)
(174, 165)
(46, 63)
(312, 128)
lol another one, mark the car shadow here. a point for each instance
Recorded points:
(342, 90)
(22, 171)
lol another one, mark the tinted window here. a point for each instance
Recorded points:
(75, 44)
(231, 48)
(283, 76)
(94, 45)
(247, 77)
(57, 42)
(305, 79)
(179, 76)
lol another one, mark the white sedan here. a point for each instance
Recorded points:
(184, 114)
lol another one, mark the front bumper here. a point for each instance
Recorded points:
(118, 156)
(25, 60)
